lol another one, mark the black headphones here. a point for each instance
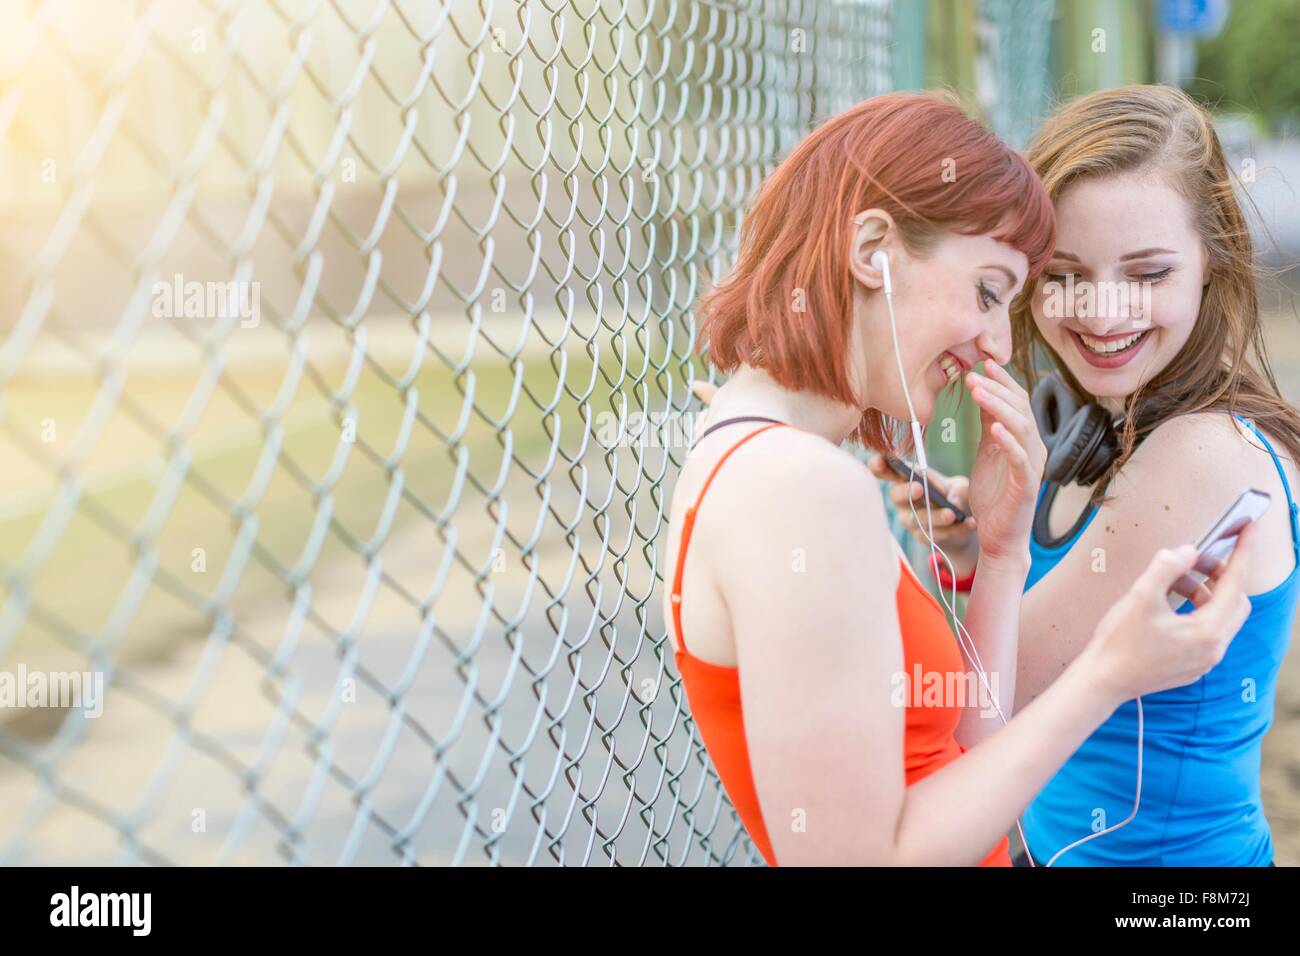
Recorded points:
(1081, 441)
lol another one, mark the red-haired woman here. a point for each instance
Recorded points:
(833, 700)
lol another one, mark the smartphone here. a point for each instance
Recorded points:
(1216, 544)
(904, 471)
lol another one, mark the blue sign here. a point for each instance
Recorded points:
(1198, 18)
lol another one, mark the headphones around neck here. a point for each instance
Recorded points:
(1082, 440)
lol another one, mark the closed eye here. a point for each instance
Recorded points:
(987, 298)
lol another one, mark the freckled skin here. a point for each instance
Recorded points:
(957, 319)
(1085, 218)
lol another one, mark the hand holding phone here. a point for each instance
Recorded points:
(904, 471)
(1214, 547)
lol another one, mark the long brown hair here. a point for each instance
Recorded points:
(1161, 128)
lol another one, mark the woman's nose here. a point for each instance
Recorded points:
(995, 345)
(1114, 306)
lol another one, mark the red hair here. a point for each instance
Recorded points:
(915, 155)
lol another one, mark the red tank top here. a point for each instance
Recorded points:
(714, 692)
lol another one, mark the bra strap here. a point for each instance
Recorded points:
(729, 421)
(688, 524)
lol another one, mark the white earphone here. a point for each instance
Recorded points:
(880, 261)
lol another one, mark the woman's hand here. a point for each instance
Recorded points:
(1008, 465)
(1141, 646)
(957, 538)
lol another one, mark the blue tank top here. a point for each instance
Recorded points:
(1200, 802)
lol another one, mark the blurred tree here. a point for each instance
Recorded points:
(1099, 44)
(1252, 64)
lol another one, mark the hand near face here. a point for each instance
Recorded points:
(1009, 463)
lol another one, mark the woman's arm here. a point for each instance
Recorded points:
(992, 607)
(1180, 479)
(993, 621)
(819, 651)
(1004, 483)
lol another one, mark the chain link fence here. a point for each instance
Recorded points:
(347, 347)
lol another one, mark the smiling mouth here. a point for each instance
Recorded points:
(1111, 344)
(951, 366)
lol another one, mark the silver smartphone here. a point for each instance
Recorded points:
(1216, 544)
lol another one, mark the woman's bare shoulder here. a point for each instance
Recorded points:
(789, 479)
(1212, 447)
(1186, 473)
(787, 460)
(798, 500)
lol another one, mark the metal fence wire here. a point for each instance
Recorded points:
(344, 380)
